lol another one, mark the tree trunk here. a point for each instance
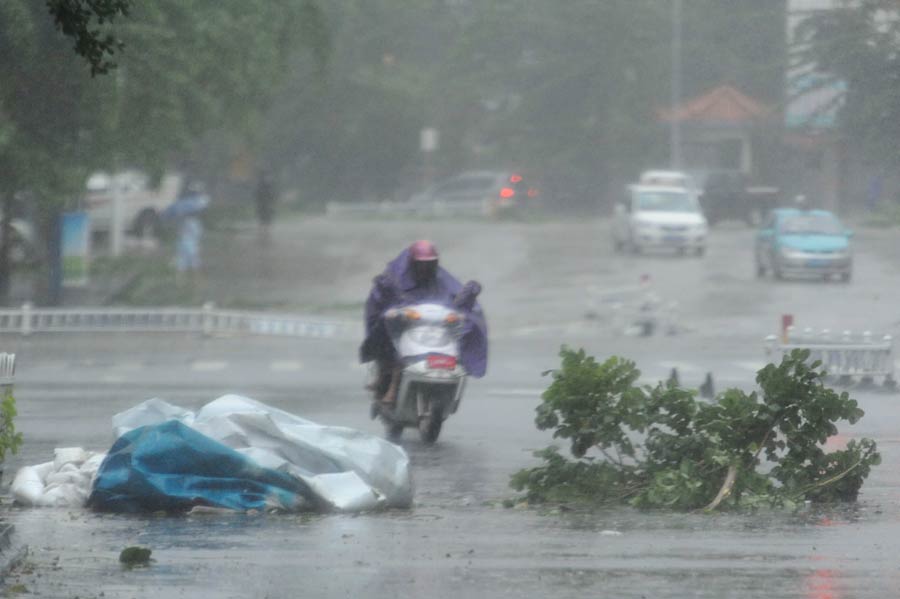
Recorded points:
(5, 243)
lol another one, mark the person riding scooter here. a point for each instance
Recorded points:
(415, 276)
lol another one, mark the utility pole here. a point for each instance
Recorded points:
(675, 158)
(116, 234)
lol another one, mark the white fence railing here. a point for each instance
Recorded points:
(847, 356)
(392, 209)
(207, 320)
(7, 369)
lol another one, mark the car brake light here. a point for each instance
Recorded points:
(507, 192)
(515, 179)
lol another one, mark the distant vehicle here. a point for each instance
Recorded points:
(668, 179)
(141, 204)
(729, 195)
(23, 247)
(655, 216)
(804, 242)
(489, 193)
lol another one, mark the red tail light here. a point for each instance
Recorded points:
(441, 362)
(515, 179)
(507, 192)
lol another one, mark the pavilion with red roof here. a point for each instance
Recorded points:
(719, 129)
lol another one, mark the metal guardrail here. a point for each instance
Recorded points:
(7, 369)
(206, 320)
(388, 208)
(846, 356)
(634, 310)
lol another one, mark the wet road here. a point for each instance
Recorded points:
(458, 541)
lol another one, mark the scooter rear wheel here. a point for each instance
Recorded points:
(430, 426)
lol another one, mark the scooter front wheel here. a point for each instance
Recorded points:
(392, 431)
(431, 413)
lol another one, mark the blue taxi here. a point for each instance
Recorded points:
(804, 242)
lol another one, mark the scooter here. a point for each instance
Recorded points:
(429, 380)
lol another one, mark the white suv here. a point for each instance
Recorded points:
(141, 204)
(656, 216)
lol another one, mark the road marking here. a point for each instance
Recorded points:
(208, 366)
(286, 366)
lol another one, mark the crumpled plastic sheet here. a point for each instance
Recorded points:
(171, 467)
(340, 469)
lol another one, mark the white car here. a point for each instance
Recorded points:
(655, 216)
(141, 204)
(668, 179)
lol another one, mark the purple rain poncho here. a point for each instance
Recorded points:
(396, 287)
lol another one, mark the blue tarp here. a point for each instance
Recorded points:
(171, 467)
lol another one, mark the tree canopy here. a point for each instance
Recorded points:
(859, 44)
(182, 68)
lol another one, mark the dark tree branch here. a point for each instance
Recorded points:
(81, 20)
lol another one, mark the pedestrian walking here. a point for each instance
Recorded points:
(186, 212)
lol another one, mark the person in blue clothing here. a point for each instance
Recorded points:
(186, 211)
(415, 276)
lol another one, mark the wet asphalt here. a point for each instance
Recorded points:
(459, 541)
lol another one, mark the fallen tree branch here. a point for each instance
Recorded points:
(725, 489)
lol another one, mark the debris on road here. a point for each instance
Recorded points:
(660, 447)
(132, 557)
(234, 453)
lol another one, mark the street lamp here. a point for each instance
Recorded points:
(675, 159)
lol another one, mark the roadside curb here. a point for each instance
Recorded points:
(11, 554)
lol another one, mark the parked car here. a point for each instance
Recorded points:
(141, 203)
(804, 242)
(731, 195)
(655, 216)
(489, 193)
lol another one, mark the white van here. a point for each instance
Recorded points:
(655, 216)
(141, 204)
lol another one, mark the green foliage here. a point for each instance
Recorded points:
(79, 20)
(10, 440)
(660, 447)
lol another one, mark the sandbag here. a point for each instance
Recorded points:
(64, 482)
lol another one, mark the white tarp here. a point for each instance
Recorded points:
(348, 469)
